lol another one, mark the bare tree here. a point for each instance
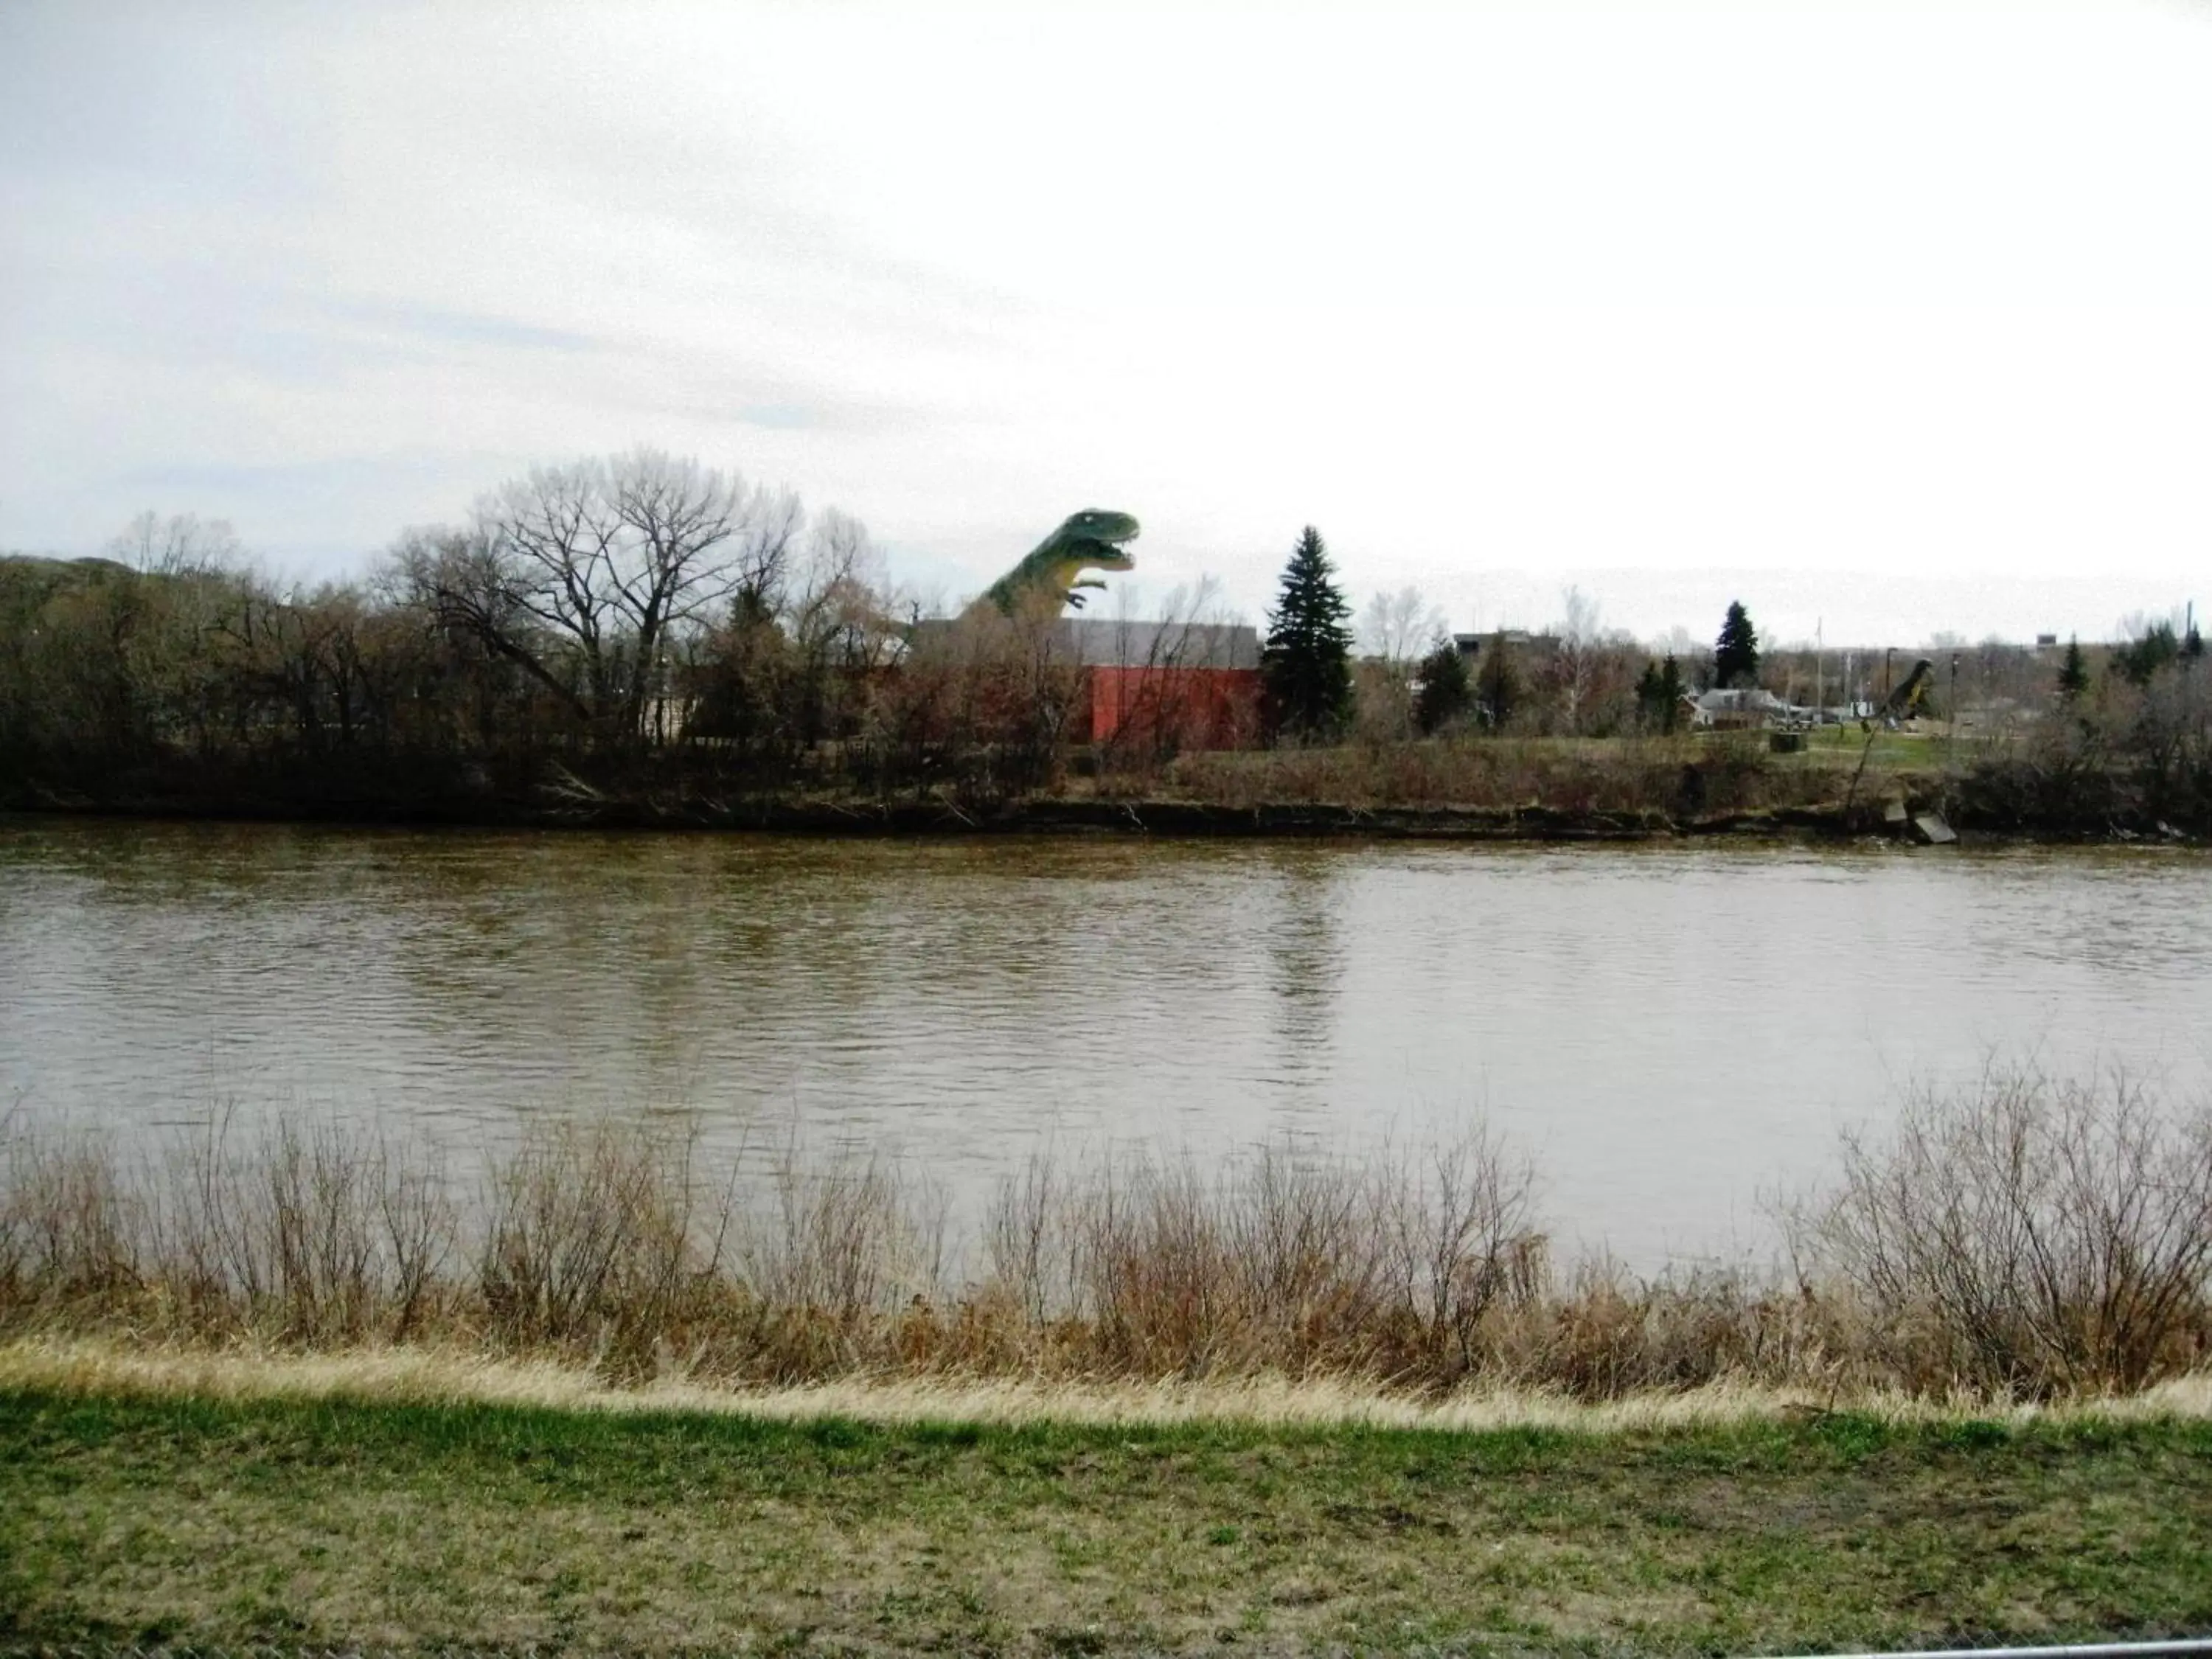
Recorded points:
(180, 544)
(1577, 659)
(458, 578)
(1399, 627)
(606, 562)
(840, 609)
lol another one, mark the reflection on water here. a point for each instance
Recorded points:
(1306, 965)
(1671, 1030)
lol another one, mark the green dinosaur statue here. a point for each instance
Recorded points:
(1905, 701)
(1088, 541)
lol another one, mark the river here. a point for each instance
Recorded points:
(1673, 1032)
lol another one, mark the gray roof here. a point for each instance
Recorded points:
(1109, 642)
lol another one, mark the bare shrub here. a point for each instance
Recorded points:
(1311, 1263)
(301, 1234)
(1457, 1227)
(70, 1226)
(1027, 1246)
(414, 1208)
(1276, 1260)
(2025, 1238)
(2032, 1236)
(1610, 1332)
(842, 1256)
(282, 1234)
(589, 1240)
(1148, 1263)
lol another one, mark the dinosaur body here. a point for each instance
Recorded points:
(1906, 700)
(1089, 540)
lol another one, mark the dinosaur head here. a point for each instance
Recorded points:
(1096, 535)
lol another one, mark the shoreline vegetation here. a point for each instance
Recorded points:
(2025, 1239)
(1841, 785)
(1537, 791)
(639, 640)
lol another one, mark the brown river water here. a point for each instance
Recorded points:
(1673, 1032)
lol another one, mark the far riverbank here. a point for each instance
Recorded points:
(1838, 786)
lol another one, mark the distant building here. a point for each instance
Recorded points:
(1172, 685)
(1470, 645)
(1187, 685)
(1750, 708)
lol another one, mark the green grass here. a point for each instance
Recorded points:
(138, 1520)
(1904, 752)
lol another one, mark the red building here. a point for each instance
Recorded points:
(1169, 708)
(1165, 685)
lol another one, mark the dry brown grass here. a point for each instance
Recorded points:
(1682, 777)
(2024, 1240)
(418, 1375)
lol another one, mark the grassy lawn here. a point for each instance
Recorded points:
(186, 1522)
(1930, 751)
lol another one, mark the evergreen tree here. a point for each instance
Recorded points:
(2139, 662)
(1498, 687)
(1735, 653)
(1307, 663)
(2074, 672)
(1650, 700)
(2193, 645)
(1659, 694)
(1441, 690)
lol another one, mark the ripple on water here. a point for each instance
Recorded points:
(1669, 1028)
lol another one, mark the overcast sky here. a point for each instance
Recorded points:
(1891, 318)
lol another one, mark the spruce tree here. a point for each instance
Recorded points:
(1498, 686)
(1307, 663)
(2139, 662)
(1659, 694)
(1441, 690)
(1735, 653)
(1650, 700)
(2074, 672)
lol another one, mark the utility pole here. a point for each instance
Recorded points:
(1954, 710)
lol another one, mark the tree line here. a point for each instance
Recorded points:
(634, 610)
(643, 622)
(1580, 679)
